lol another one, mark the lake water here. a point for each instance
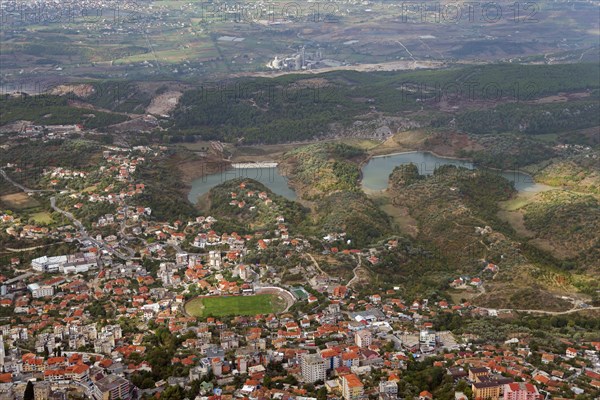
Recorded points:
(377, 171)
(270, 177)
(375, 175)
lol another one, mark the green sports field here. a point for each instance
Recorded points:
(218, 306)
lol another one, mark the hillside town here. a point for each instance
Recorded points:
(107, 316)
(299, 200)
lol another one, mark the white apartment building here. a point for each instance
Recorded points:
(388, 387)
(313, 368)
(427, 338)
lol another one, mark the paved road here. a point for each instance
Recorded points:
(71, 217)
(18, 185)
(85, 235)
(178, 250)
(570, 311)
(31, 248)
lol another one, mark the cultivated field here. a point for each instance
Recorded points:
(19, 201)
(218, 306)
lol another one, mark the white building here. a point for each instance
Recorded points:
(74, 263)
(79, 262)
(150, 310)
(2, 354)
(78, 268)
(427, 338)
(313, 368)
(214, 258)
(38, 291)
(388, 387)
(48, 264)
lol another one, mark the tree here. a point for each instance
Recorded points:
(267, 382)
(28, 395)
(173, 393)
(322, 393)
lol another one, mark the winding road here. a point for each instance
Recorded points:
(86, 236)
(31, 248)
(355, 271)
(18, 185)
(570, 311)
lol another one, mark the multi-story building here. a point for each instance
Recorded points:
(111, 387)
(38, 291)
(2, 352)
(48, 264)
(427, 338)
(214, 259)
(476, 373)
(350, 359)
(571, 352)
(41, 391)
(79, 373)
(31, 363)
(313, 368)
(201, 370)
(73, 263)
(521, 391)
(388, 387)
(217, 366)
(499, 379)
(363, 338)
(489, 390)
(332, 358)
(352, 387)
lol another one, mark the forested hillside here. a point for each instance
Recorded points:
(526, 118)
(296, 107)
(52, 110)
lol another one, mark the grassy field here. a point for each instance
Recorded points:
(219, 306)
(173, 48)
(90, 189)
(519, 201)
(400, 215)
(517, 221)
(42, 217)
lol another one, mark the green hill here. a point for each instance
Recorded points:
(319, 169)
(255, 213)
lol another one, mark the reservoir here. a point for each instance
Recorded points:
(375, 174)
(266, 173)
(377, 171)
